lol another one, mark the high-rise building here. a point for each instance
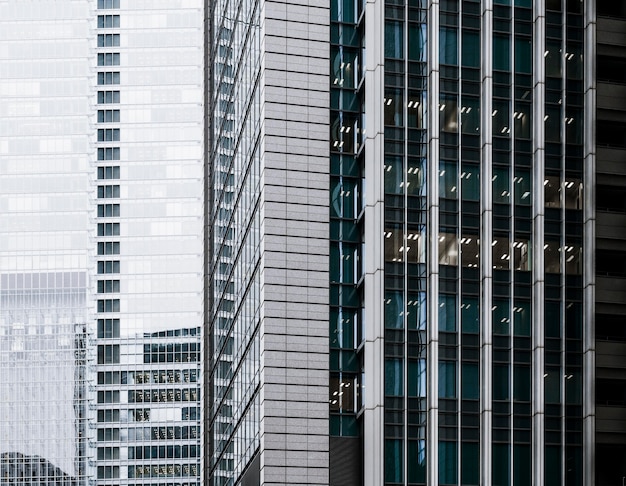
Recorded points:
(610, 185)
(101, 254)
(402, 232)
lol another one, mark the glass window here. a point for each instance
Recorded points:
(448, 249)
(552, 384)
(521, 318)
(470, 463)
(521, 186)
(394, 108)
(470, 315)
(416, 177)
(415, 110)
(502, 53)
(470, 383)
(523, 55)
(342, 328)
(394, 309)
(417, 42)
(447, 379)
(394, 377)
(417, 378)
(470, 49)
(343, 11)
(416, 311)
(470, 182)
(447, 313)
(393, 461)
(394, 174)
(447, 462)
(417, 461)
(501, 185)
(502, 465)
(501, 253)
(500, 382)
(448, 180)
(553, 57)
(344, 198)
(448, 46)
(501, 317)
(448, 114)
(521, 383)
(394, 43)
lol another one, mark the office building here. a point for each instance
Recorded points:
(101, 198)
(402, 231)
(610, 183)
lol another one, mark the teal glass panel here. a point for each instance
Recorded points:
(394, 175)
(501, 180)
(521, 383)
(553, 319)
(501, 53)
(342, 328)
(574, 62)
(470, 383)
(522, 187)
(448, 180)
(417, 378)
(343, 65)
(501, 317)
(523, 55)
(416, 311)
(343, 198)
(447, 379)
(344, 426)
(447, 462)
(394, 466)
(416, 177)
(470, 49)
(523, 3)
(394, 107)
(552, 384)
(344, 165)
(553, 57)
(573, 388)
(416, 104)
(500, 118)
(522, 466)
(470, 115)
(470, 182)
(394, 43)
(343, 262)
(394, 377)
(500, 382)
(553, 465)
(447, 312)
(522, 121)
(394, 310)
(469, 315)
(417, 42)
(448, 114)
(448, 46)
(470, 463)
(521, 318)
(502, 2)
(343, 11)
(501, 465)
(416, 461)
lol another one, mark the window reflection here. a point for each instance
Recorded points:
(342, 395)
(448, 116)
(501, 253)
(448, 249)
(501, 185)
(448, 180)
(394, 108)
(469, 251)
(572, 187)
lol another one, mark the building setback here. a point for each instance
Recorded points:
(401, 229)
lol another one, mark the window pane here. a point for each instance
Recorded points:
(394, 377)
(448, 46)
(393, 40)
(417, 42)
(470, 55)
(523, 55)
(501, 53)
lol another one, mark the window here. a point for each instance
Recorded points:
(109, 59)
(107, 415)
(108, 305)
(108, 40)
(108, 452)
(105, 4)
(108, 21)
(448, 46)
(109, 78)
(447, 379)
(108, 328)
(108, 210)
(109, 354)
(109, 248)
(106, 97)
(108, 229)
(394, 42)
(108, 286)
(108, 472)
(109, 267)
(110, 172)
(108, 192)
(501, 53)
(109, 396)
(109, 153)
(108, 135)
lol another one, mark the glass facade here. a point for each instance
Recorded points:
(45, 249)
(479, 157)
(234, 293)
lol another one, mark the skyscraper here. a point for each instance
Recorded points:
(101, 254)
(444, 208)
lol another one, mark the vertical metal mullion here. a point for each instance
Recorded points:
(562, 239)
(485, 249)
(512, 305)
(588, 374)
(459, 246)
(538, 241)
(405, 115)
(432, 256)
